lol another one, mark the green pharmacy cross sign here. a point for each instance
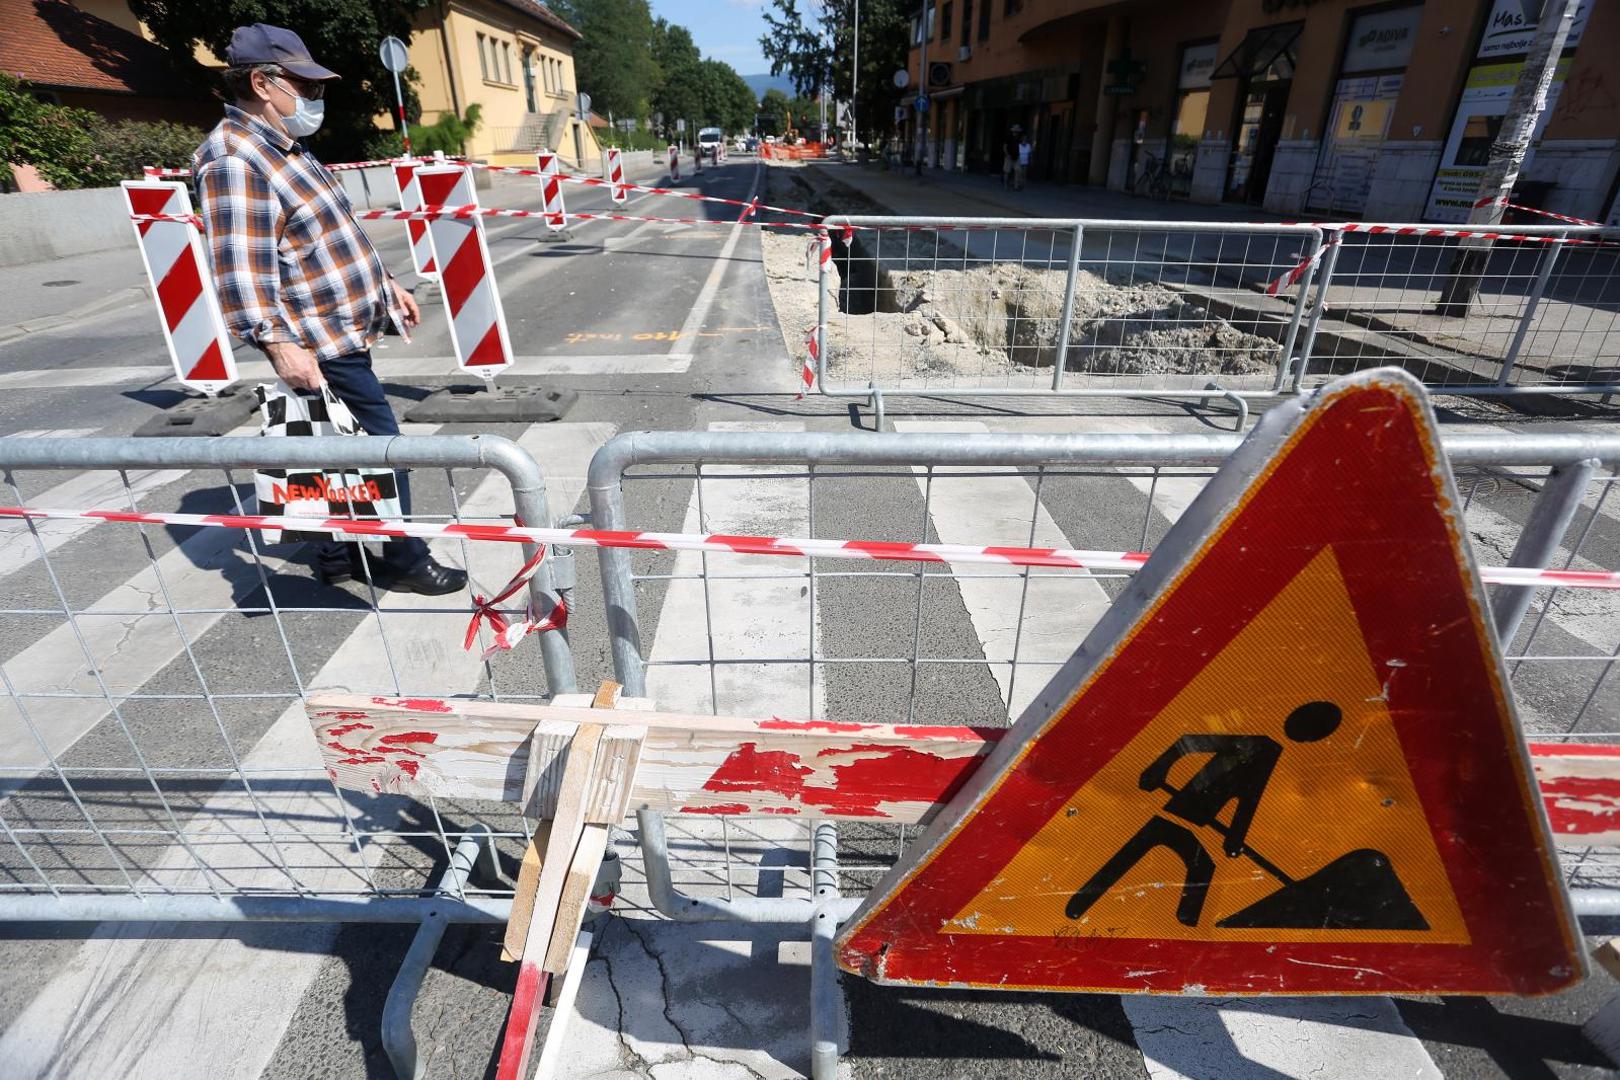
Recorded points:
(1126, 73)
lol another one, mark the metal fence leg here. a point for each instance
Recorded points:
(876, 402)
(398, 1040)
(1549, 520)
(1330, 260)
(826, 994)
(1239, 402)
(1549, 258)
(1061, 361)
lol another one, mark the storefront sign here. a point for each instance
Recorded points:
(1382, 40)
(1479, 118)
(1509, 33)
(1197, 61)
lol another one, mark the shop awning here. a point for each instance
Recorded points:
(1270, 52)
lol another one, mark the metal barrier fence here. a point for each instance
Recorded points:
(984, 307)
(762, 635)
(1546, 318)
(154, 753)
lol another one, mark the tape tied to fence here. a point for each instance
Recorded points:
(506, 632)
(733, 544)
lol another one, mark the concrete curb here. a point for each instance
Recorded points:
(111, 302)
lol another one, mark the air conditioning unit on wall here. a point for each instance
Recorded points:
(964, 52)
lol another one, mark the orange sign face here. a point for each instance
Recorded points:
(1291, 765)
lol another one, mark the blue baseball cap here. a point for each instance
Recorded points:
(265, 44)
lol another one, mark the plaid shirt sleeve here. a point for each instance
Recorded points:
(243, 220)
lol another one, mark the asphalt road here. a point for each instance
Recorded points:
(682, 339)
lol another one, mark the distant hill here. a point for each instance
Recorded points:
(761, 83)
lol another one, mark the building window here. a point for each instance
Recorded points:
(506, 62)
(984, 21)
(483, 57)
(967, 21)
(945, 23)
(1013, 7)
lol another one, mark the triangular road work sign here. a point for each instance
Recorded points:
(1286, 760)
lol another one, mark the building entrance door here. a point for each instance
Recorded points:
(1259, 127)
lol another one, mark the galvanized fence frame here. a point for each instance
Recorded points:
(1307, 289)
(1311, 238)
(1573, 461)
(433, 906)
(1548, 249)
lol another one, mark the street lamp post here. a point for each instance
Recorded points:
(920, 105)
(855, 82)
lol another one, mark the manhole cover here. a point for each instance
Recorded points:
(59, 284)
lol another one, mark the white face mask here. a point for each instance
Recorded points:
(306, 116)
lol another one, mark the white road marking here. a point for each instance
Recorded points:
(1321, 1038)
(655, 970)
(759, 617)
(67, 378)
(215, 1004)
(1044, 622)
(204, 574)
(711, 285)
(101, 489)
(54, 433)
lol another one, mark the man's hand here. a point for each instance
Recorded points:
(296, 365)
(411, 314)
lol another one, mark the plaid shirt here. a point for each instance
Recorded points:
(290, 261)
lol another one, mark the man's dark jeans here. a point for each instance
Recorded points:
(356, 385)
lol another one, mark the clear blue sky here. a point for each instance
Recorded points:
(726, 30)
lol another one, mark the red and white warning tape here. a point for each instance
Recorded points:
(730, 544)
(428, 213)
(1289, 279)
(1488, 200)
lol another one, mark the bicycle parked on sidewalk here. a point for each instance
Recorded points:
(1153, 178)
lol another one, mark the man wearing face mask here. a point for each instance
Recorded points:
(297, 277)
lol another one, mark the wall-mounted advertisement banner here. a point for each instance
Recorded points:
(1381, 41)
(1479, 118)
(1509, 32)
(1197, 61)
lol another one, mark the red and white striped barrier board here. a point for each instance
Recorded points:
(477, 323)
(613, 172)
(177, 267)
(410, 198)
(731, 544)
(551, 191)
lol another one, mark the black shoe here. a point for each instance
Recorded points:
(431, 578)
(343, 573)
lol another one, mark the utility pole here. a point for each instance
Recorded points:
(855, 81)
(922, 87)
(1507, 153)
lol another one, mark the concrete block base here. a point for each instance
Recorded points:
(199, 415)
(510, 402)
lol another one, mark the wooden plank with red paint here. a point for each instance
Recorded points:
(723, 765)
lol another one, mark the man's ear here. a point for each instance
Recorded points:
(259, 84)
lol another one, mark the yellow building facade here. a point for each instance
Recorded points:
(514, 59)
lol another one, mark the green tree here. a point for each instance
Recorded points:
(773, 112)
(614, 61)
(679, 95)
(803, 46)
(341, 34)
(727, 102)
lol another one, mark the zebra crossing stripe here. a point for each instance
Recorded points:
(172, 252)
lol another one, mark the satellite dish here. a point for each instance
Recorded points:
(394, 56)
(902, 79)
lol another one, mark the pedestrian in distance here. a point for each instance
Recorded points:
(298, 279)
(674, 163)
(1009, 156)
(1025, 148)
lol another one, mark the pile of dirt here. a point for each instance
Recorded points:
(986, 322)
(1125, 328)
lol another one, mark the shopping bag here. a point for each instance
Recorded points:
(330, 493)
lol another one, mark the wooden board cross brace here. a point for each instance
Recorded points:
(590, 794)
